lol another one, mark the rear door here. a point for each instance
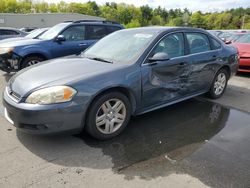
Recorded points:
(164, 81)
(203, 58)
(95, 33)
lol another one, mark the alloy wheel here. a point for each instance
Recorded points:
(110, 116)
(32, 62)
(220, 83)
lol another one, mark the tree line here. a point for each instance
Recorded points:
(131, 16)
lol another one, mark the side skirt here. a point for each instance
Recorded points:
(149, 109)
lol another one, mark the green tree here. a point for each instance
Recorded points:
(146, 15)
(197, 20)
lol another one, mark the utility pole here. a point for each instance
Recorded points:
(243, 22)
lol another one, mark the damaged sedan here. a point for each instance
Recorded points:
(127, 73)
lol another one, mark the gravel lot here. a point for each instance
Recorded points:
(196, 143)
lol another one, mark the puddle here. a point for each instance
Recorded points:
(162, 131)
(197, 137)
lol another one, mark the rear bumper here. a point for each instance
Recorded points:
(44, 119)
(244, 65)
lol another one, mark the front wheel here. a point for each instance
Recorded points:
(31, 60)
(219, 84)
(108, 116)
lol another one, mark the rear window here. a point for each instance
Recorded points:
(198, 42)
(111, 29)
(215, 44)
(95, 32)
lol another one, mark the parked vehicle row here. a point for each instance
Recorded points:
(241, 40)
(243, 45)
(128, 72)
(63, 39)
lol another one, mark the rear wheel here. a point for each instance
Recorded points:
(219, 84)
(108, 116)
(31, 60)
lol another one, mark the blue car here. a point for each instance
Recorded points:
(63, 39)
(128, 72)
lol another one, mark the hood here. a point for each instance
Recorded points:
(18, 42)
(58, 72)
(243, 48)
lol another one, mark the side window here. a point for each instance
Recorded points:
(215, 44)
(95, 32)
(8, 32)
(111, 29)
(172, 44)
(74, 33)
(198, 42)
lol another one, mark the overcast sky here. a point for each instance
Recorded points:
(194, 5)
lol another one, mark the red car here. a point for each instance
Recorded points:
(243, 45)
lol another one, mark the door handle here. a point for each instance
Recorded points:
(82, 44)
(182, 64)
(183, 76)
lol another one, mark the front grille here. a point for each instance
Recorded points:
(13, 95)
(244, 67)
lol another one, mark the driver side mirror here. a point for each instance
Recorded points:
(60, 38)
(160, 56)
(228, 42)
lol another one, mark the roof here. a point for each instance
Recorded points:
(158, 29)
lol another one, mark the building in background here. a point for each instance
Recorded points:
(40, 20)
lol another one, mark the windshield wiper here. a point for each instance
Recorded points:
(100, 59)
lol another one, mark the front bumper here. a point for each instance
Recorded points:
(10, 62)
(244, 65)
(44, 119)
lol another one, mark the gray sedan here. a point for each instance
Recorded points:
(129, 72)
(7, 32)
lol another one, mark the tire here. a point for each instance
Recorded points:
(106, 125)
(218, 87)
(31, 60)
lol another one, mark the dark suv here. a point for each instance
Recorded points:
(63, 39)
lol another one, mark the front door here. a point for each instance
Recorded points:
(164, 81)
(75, 42)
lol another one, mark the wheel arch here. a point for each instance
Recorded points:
(41, 55)
(122, 89)
(227, 68)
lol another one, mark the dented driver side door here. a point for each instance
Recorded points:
(165, 81)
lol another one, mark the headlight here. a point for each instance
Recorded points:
(5, 50)
(51, 95)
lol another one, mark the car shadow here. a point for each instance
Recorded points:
(243, 74)
(176, 131)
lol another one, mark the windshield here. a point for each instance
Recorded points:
(244, 39)
(53, 31)
(35, 33)
(234, 37)
(120, 47)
